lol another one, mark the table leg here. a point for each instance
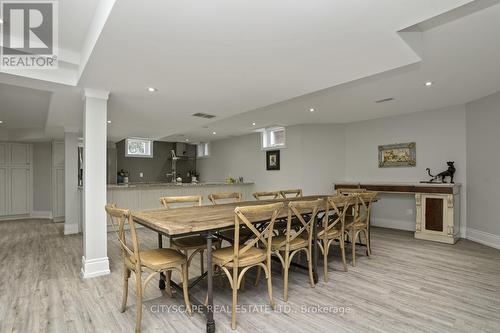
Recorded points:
(369, 248)
(315, 250)
(210, 297)
(162, 275)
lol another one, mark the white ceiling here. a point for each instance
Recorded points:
(74, 21)
(225, 57)
(461, 56)
(22, 108)
(80, 23)
(266, 62)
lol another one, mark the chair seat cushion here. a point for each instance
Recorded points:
(295, 244)
(253, 256)
(332, 233)
(358, 225)
(229, 234)
(190, 242)
(160, 258)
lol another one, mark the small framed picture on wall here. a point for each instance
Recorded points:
(273, 160)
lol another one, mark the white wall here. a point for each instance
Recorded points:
(483, 165)
(42, 179)
(312, 160)
(440, 137)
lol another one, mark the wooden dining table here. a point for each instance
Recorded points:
(207, 221)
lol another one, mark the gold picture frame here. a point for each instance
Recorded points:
(397, 155)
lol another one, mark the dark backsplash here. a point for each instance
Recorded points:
(153, 169)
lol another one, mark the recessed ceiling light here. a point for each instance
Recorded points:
(1, 121)
(151, 89)
(214, 133)
(253, 124)
(187, 140)
(311, 110)
(428, 83)
(109, 121)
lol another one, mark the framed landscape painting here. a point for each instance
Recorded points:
(397, 155)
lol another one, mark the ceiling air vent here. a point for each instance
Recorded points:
(385, 100)
(203, 115)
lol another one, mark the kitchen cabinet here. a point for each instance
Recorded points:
(58, 208)
(19, 190)
(19, 154)
(15, 180)
(3, 190)
(58, 181)
(3, 153)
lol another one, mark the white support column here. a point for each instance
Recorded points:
(71, 206)
(95, 259)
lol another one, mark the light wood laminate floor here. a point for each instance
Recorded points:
(407, 285)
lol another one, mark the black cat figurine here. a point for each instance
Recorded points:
(448, 173)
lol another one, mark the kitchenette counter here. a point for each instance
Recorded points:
(141, 196)
(173, 185)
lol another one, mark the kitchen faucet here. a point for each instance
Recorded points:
(175, 158)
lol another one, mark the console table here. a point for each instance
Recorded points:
(437, 207)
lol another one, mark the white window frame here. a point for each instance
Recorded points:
(265, 138)
(206, 149)
(149, 142)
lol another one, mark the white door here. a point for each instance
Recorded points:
(19, 190)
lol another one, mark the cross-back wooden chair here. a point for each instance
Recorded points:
(298, 239)
(333, 228)
(350, 191)
(361, 221)
(295, 193)
(270, 195)
(193, 200)
(197, 244)
(154, 261)
(347, 191)
(242, 257)
(217, 198)
(220, 198)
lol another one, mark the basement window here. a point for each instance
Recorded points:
(273, 138)
(203, 149)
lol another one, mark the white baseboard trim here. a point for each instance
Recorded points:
(15, 217)
(41, 214)
(71, 229)
(484, 238)
(95, 267)
(393, 224)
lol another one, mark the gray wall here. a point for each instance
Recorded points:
(154, 169)
(42, 176)
(483, 165)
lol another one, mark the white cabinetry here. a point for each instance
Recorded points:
(3, 190)
(58, 181)
(15, 180)
(20, 190)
